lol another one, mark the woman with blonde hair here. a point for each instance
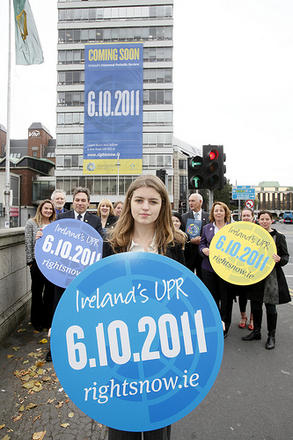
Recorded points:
(42, 289)
(106, 213)
(145, 225)
(220, 216)
(118, 206)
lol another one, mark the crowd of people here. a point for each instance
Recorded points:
(144, 222)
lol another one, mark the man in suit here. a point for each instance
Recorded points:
(80, 204)
(193, 222)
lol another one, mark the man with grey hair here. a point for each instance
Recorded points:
(58, 198)
(193, 222)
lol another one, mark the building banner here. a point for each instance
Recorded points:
(113, 108)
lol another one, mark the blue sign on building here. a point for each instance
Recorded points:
(113, 108)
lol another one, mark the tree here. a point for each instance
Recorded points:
(225, 195)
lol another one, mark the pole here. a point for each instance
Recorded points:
(7, 166)
(211, 199)
(118, 165)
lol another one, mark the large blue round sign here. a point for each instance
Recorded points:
(137, 341)
(66, 248)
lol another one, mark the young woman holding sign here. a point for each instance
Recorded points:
(219, 217)
(145, 225)
(42, 289)
(274, 288)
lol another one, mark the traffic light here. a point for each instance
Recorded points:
(213, 158)
(222, 168)
(161, 174)
(195, 173)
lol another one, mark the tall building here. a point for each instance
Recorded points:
(106, 21)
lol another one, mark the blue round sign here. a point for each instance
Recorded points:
(66, 248)
(137, 341)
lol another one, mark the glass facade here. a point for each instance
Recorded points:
(117, 13)
(158, 76)
(87, 22)
(102, 35)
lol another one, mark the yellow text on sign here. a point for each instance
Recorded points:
(242, 253)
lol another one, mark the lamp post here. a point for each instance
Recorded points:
(7, 165)
(118, 165)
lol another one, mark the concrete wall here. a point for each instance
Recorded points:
(15, 280)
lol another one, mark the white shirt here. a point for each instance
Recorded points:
(197, 215)
(76, 214)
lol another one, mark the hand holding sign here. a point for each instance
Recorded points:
(242, 253)
(137, 341)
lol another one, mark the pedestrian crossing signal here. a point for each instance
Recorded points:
(207, 172)
(195, 173)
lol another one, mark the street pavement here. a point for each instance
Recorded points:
(252, 398)
(33, 404)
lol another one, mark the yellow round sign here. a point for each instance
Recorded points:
(241, 253)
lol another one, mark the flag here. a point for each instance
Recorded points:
(28, 48)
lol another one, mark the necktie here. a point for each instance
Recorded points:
(79, 217)
(196, 215)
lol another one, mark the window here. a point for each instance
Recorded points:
(182, 164)
(157, 97)
(135, 33)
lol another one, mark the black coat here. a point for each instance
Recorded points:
(282, 251)
(192, 253)
(175, 252)
(204, 219)
(91, 219)
(256, 291)
(111, 220)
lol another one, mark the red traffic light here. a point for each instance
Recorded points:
(213, 154)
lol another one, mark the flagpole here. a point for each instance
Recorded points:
(7, 167)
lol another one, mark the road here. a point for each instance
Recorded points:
(287, 230)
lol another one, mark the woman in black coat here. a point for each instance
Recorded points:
(273, 290)
(145, 225)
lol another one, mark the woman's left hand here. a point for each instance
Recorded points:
(39, 233)
(276, 258)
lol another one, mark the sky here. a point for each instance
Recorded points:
(233, 82)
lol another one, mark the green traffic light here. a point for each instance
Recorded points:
(195, 181)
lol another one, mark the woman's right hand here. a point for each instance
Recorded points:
(206, 251)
